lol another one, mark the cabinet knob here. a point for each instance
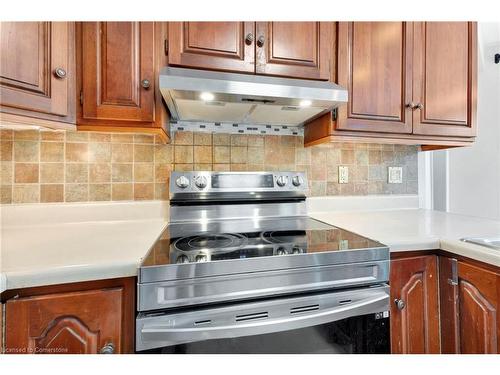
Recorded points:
(145, 84)
(249, 39)
(419, 106)
(60, 73)
(400, 304)
(260, 41)
(410, 105)
(109, 348)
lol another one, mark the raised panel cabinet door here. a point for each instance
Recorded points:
(414, 305)
(226, 46)
(37, 69)
(445, 78)
(118, 81)
(374, 64)
(295, 49)
(66, 323)
(478, 319)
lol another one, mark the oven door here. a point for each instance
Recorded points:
(348, 321)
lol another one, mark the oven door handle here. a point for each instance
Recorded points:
(161, 333)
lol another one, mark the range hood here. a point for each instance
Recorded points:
(200, 95)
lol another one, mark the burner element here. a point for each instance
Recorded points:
(220, 242)
(289, 236)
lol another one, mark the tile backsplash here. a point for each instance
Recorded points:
(58, 166)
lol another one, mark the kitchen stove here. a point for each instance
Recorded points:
(239, 237)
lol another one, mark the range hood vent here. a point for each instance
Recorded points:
(205, 96)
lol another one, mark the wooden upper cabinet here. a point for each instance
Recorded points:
(415, 322)
(374, 64)
(227, 46)
(65, 323)
(117, 70)
(445, 78)
(37, 69)
(295, 49)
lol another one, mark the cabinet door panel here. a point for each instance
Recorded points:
(30, 54)
(212, 45)
(66, 323)
(374, 64)
(478, 310)
(445, 69)
(296, 49)
(116, 57)
(415, 327)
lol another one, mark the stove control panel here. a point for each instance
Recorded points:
(238, 182)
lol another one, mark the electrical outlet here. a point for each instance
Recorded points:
(395, 175)
(343, 174)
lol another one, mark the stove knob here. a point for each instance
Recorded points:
(282, 180)
(182, 259)
(182, 182)
(297, 181)
(201, 258)
(281, 251)
(200, 182)
(297, 250)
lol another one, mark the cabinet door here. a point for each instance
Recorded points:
(295, 49)
(445, 78)
(479, 322)
(75, 322)
(37, 69)
(225, 46)
(415, 322)
(374, 64)
(117, 60)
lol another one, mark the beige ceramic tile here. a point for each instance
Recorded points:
(163, 154)
(51, 151)
(122, 192)
(183, 138)
(5, 194)
(6, 134)
(122, 138)
(143, 191)
(99, 192)
(51, 173)
(143, 138)
(221, 139)
(347, 157)
(99, 172)
(77, 172)
(143, 172)
(255, 140)
(143, 153)
(99, 152)
(202, 154)
(76, 192)
(26, 193)
(239, 154)
(77, 152)
(99, 137)
(202, 139)
(221, 167)
(162, 172)
(239, 140)
(51, 193)
(25, 173)
(27, 135)
(6, 173)
(26, 151)
(6, 150)
(222, 154)
(183, 154)
(122, 153)
(161, 191)
(72, 136)
(122, 172)
(49, 135)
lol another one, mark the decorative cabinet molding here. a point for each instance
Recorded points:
(37, 71)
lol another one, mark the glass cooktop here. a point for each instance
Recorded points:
(201, 242)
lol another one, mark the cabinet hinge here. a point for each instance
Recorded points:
(166, 47)
(81, 97)
(334, 114)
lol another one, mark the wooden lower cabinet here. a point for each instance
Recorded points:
(470, 302)
(83, 321)
(414, 305)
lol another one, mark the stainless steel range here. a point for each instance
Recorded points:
(241, 268)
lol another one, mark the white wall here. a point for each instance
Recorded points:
(472, 174)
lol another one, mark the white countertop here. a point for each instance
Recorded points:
(70, 243)
(48, 251)
(419, 229)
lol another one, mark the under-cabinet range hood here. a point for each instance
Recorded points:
(199, 95)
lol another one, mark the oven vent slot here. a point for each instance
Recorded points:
(301, 309)
(345, 301)
(261, 315)
(202, 322)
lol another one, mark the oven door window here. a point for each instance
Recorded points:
(360, 334)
